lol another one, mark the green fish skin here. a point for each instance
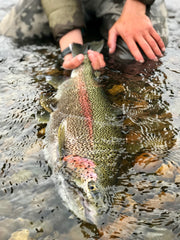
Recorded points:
(83, 145)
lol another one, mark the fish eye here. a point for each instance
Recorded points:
(92, 186)
(94, 191)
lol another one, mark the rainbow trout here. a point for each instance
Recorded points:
(83, 143)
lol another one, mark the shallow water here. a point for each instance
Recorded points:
(147, 106)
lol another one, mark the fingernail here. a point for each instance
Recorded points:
(155, 59)
(141, 60)
(163, 49)
(90, 53)
(110, 50)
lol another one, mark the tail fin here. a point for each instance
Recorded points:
(78, 48)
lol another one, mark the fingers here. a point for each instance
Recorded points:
(72, 63)
(96, 59)
(133, 48)
(149, 47)
(112, 38)
(152, 46)
(153, 49)
(158, 39)
(141, 36)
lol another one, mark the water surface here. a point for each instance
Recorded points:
(147, 107)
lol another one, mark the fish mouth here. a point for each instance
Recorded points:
(79, 188)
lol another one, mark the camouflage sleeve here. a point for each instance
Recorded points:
(63, 16)
(147, 2)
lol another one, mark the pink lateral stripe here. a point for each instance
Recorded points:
(86, 107)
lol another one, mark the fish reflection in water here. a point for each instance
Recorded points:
(91, 180)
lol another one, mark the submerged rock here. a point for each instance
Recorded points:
(20, 235)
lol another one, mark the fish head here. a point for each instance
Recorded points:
(80, 189)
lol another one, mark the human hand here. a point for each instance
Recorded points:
(135, 28)
(71, 62)
(96, 59)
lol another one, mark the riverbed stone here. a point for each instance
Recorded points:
(20, 235)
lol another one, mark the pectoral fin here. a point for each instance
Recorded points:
(61, 139)
(48, 103)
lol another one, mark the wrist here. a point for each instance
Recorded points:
(135, 6)
(146, 2)
(73, 36)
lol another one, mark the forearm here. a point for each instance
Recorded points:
(63, 16)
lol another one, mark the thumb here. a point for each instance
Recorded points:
(112, 38)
